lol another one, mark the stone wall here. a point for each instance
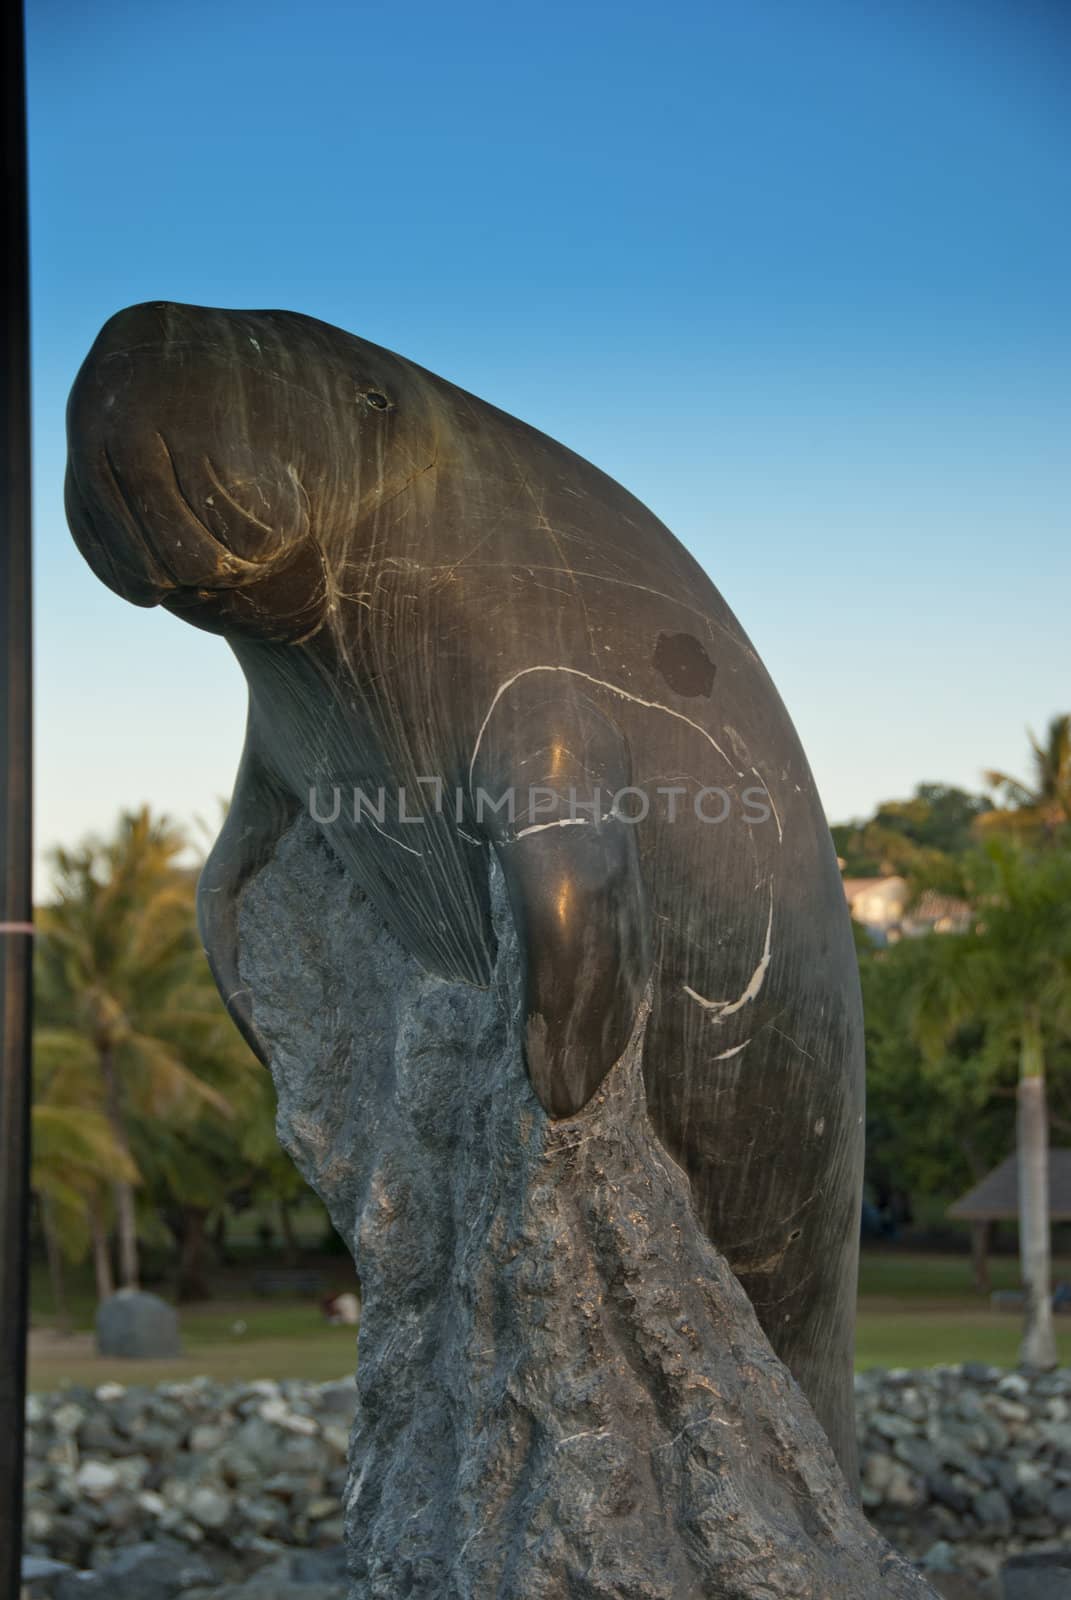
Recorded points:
(963, 1465)
(960, 1466)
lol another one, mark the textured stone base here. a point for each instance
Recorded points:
(564, 1391)
(139, 1326)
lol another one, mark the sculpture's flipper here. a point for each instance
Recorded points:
(571, 866)
(581, 921)
(259, 813)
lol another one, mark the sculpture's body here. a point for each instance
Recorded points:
(425, 592)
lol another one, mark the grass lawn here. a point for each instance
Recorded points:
(289, 1340)
(914, 1310)
(233, 1337)
(927, 1338)
(918, 1311)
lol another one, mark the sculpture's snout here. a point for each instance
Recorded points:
(178, 477)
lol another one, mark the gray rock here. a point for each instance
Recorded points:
(940, 1557)
(948, 1492)
(97, 1479)
(1058, 1434)
(262, 1588)
(993, 1513)
(980, 1373)
(137, 1325)
(97, 1437)
(1012, 1410)
(81, 1586)
(155, 1572)
(1060, 1505)
(68, 1418)
(891, 1425)
(292, 1485)
(318, 1566)
(1030, 1490)
(209, 1507)
(339, 1398)
(912, 1403)
(259, 1441)
(140, 1572)
(953, 1452)
(40, 1574)
(904, 1488)
(206, 1437)
(153, 1438)
(1053, 1383)
(1041, 1576)
(917, 1454)
(637, 1376)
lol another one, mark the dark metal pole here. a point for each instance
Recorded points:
(16, 906)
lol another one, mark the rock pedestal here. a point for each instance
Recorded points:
(137, 1325)
(563, 1390)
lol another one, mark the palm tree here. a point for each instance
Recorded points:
(117, 954)
(195, 1158)
(1042, 805)
(1011, 974)
(75, 1156)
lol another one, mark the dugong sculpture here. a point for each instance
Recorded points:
(517, 713)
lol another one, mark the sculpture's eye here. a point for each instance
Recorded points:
(376, 399)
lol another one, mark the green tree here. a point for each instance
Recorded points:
(1010, 978)
(935, 1122)
(912, 836)
(1041, 806)
(194, 1163)
(117, 975)
(75, 1156)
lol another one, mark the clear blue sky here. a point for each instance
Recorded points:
(798, 275)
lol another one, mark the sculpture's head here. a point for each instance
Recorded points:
(216, 459)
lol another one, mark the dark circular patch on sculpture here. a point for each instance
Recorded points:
(684, 664)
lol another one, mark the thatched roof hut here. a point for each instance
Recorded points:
(996, 1198)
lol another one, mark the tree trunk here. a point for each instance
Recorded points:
(102, 1261)
(290, 1244)
(192, 1282)
(981, 1244)
(219, 1237)
(55, 1267)
(126, 1217)
(1038, 1348)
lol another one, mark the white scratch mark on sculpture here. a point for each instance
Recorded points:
(392, 840)
(602, 683)
(592, 1433)
(773, 808)
(720, 1009)
(735, 1051)
(794, 1043)
(700, 1422)
(561, 822)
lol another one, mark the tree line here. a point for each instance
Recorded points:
(153, 1122)
(968, 1035)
